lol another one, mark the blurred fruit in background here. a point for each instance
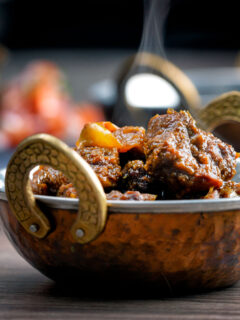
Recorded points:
(37, 101)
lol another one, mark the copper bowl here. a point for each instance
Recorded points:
(172, 245)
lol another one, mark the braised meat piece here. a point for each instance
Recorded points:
(131, 138)
(130, 195)
(135, 177)
(67, 190)
(185, 158)
(229, 189)
(47, 181)
(105, 163)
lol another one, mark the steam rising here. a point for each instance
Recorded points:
(147, 90)
(155, 14)
(142, 90)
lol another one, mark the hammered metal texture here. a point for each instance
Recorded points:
(173, 252)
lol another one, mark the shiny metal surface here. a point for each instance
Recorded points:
(184, 244)
(167, 206)
(149, 84)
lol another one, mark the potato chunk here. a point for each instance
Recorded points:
(97, 135)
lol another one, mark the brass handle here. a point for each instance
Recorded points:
(48, 150)
(224, 108)
(169, 71)
(174, 75)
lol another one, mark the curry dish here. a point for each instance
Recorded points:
(172, 159)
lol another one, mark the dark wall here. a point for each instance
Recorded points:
(118, 23)
(204, 23)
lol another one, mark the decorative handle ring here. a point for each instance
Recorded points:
(43, 149)
(224, 108)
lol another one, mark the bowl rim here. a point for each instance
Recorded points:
(158, 206)
(130, 206)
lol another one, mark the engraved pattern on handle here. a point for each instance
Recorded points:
(47, 150)
(224, 108)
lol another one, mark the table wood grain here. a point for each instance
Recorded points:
(27, 294)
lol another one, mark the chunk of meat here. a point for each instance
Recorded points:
(47, 181)
(130, 138)
(135, 177)
(184, 157)
(105, 163)
(229, 189)
(130, 195)
(67, 190)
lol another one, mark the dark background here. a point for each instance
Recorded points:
(115, 24)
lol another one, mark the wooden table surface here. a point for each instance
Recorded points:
(26, 294)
